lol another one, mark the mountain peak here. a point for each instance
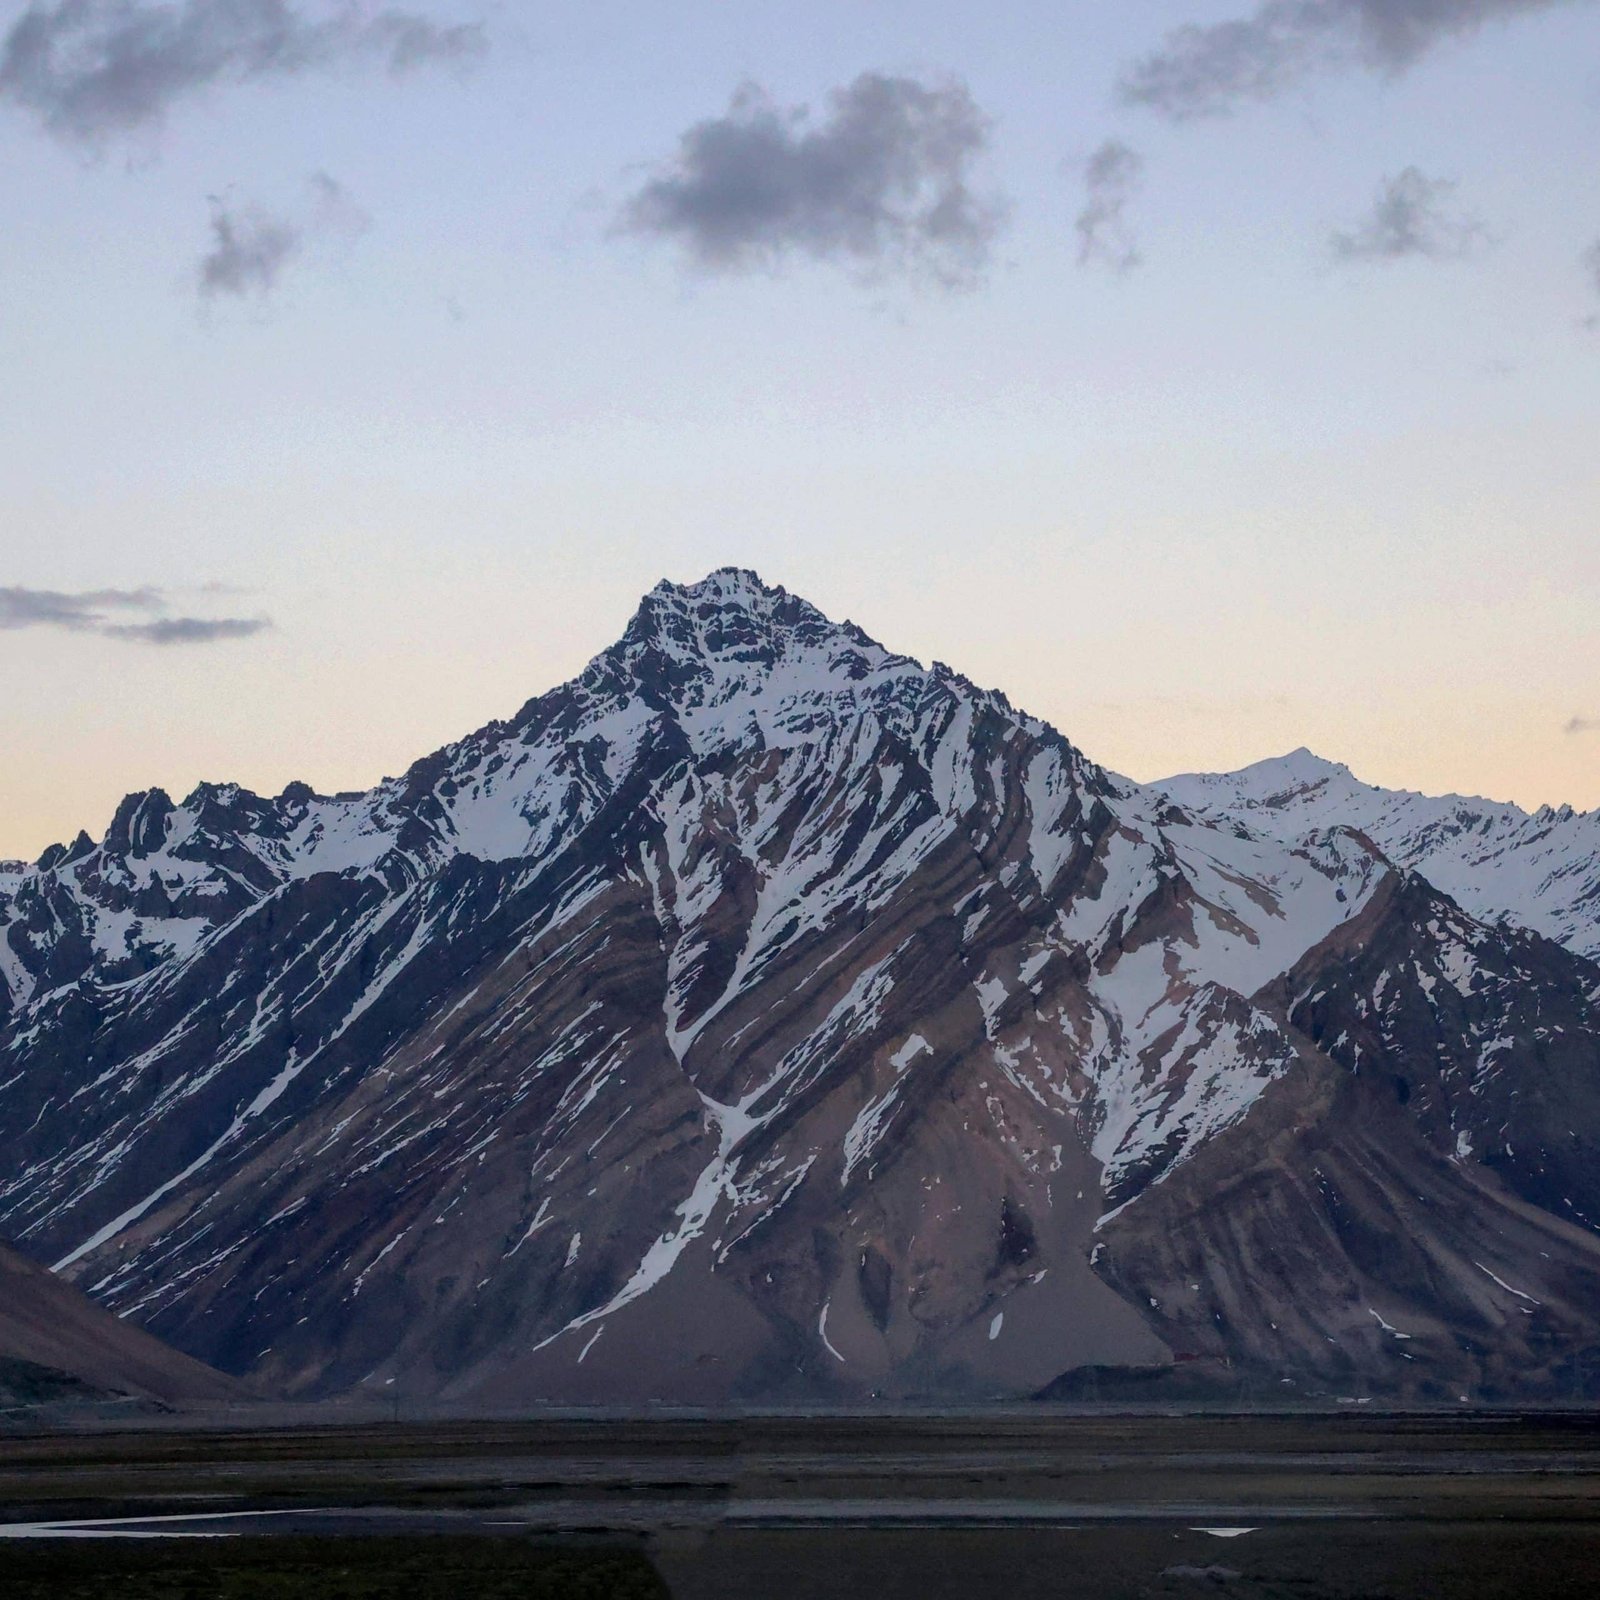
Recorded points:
(736, 585)
(726, 593)
(1299, 767)
(704, 642)
(1270, 782)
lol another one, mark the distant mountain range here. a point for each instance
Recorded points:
(1538, 869)
(765, 1016)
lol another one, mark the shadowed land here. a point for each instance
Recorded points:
(330, 1569)
(802, 1506)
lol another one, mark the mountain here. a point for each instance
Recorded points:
(56, 1345)
(763, 1015)
(1539, 869)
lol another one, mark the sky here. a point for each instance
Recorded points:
(1213, 376)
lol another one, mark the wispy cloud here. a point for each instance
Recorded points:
(79, 612)
(1582, 725)
(249, 250)
(882, 182)
(1111, 176)
(1214, 68)
(1413, 215)
(251, 247)
(1590, 262)
(88, 69)
(187, 630)
(100, 611)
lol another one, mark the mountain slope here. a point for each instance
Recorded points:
(57, 1345)
(1539, 869)
(759, 1015)
(1415, 1213)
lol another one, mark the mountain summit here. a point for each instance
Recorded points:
(762, 1015)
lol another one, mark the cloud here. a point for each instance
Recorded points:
(882, 183)
(408, 42)
(1111, 176)
(249, 251)
(85, 611)
(1590, 262)
(187, 630)
(1414, 215)
(335, 211)
(87, 69)
(1582, 725)
(1212, 69)
(28, 608)
(250, 248)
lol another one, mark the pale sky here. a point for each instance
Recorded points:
(1212, 393)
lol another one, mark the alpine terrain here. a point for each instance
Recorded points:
(765, 1016)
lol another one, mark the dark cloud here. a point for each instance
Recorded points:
(1210, 69)
(250, 248)
(1583, 725)
(1414, 215)
(91, 68)
(1111, 175)
(187, 630)
(86, 611)
(881, 183)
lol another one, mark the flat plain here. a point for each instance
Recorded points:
(1024, 1503)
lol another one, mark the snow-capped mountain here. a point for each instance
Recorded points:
(1539, 869)
(763, 1014)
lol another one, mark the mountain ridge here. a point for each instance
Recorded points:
(1539, 868)
(1303, 767)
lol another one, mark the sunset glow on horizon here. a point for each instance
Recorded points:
(361, 400)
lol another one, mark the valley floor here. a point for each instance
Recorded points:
(796, 1507)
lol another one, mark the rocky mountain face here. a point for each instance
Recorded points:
(1539, 869)
(765, 1016)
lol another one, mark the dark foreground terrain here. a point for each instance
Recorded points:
(260, 1568)
(1022, 1506)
